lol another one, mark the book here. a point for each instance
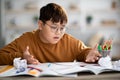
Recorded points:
(65, 69)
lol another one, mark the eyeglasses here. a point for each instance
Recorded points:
(54, 29)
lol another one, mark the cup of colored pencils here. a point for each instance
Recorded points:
(105, 49)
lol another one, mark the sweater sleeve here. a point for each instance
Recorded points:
(82, 51)
(13, 50)
(9, 52)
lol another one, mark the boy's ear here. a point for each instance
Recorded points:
(40, 23)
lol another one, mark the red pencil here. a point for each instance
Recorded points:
(35, 68)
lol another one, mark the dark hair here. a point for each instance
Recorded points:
(53, 12)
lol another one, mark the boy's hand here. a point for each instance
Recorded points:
(93, 55)
(30, 58)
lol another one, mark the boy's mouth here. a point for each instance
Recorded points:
(56, 38)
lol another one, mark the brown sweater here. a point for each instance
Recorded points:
(66, 50)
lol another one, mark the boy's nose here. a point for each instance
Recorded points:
(58, 31)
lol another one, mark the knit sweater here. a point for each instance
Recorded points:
(66, 50)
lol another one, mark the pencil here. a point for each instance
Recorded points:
(35, 68)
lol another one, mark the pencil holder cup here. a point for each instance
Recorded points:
(104, 53)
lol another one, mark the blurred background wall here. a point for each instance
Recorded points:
(2, 41)
(91, 21)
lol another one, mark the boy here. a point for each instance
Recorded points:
(49, 43)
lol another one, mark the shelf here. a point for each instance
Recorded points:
(78, 30)
(103, 27)
(18, 28)
(116, 26)
(106, 11)
(21, 11)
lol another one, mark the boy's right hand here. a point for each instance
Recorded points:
(30, 58)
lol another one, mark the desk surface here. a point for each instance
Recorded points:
(104, 76)
(81, 76)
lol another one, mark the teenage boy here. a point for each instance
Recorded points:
(49, 43)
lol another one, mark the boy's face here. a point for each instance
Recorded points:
(51, 32)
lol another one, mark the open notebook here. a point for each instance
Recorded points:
(66, 69)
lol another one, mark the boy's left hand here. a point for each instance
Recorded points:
(93, 55)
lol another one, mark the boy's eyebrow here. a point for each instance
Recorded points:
(63, 25)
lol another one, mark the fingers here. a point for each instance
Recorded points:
(26, 53)
(27, 50)
(30, 58)
(97, 54)
(33, 60)
(95, 47)
(92, 59)
(93, 56)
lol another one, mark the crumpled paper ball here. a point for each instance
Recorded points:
(105, 62)
(20, 65)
